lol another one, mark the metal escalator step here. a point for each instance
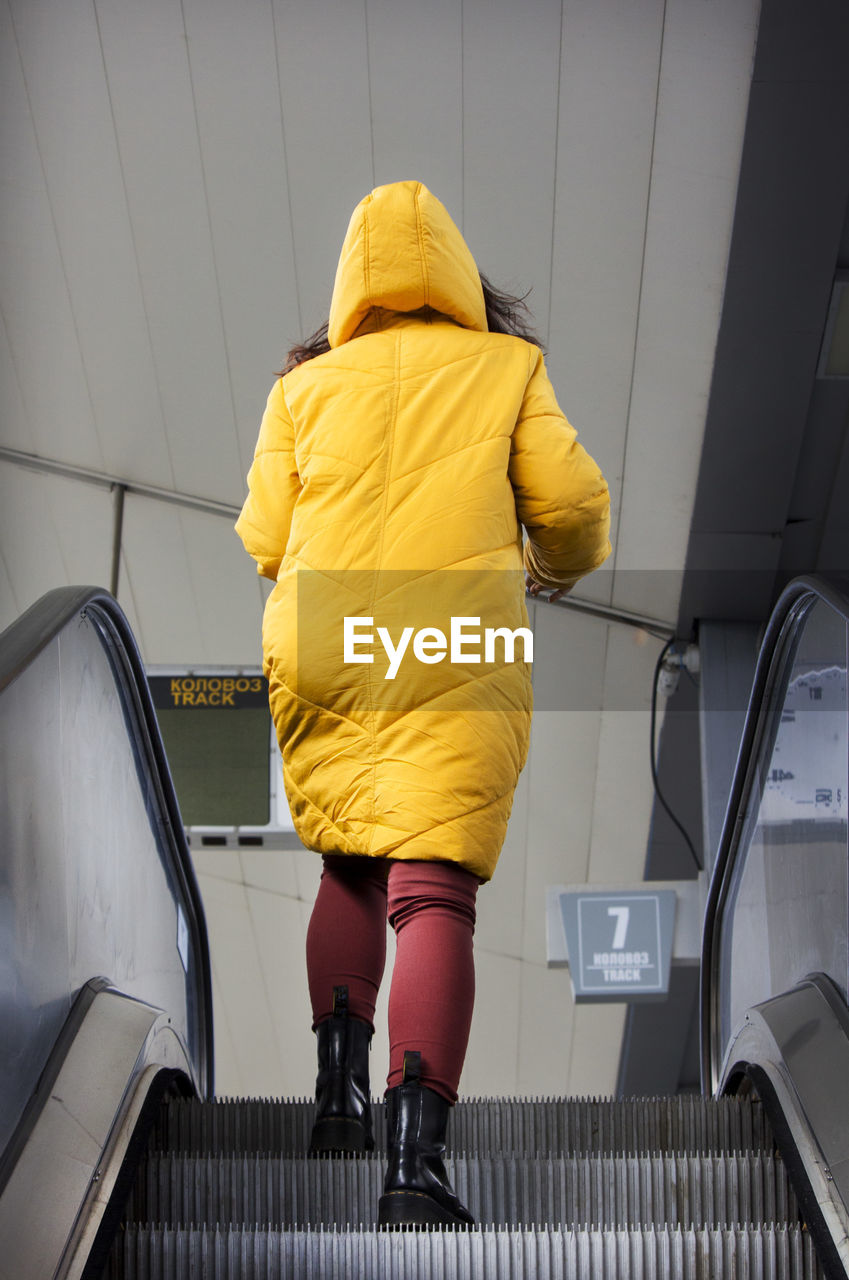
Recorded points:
(521, 1126)
(162, 1253)
(503, 1191)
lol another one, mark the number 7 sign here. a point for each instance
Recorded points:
(623, 915)
(619, 944)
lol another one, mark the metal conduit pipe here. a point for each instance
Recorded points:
(49, 466)
(117, 533)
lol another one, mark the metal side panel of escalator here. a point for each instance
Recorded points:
(775, 961)
(107, 992)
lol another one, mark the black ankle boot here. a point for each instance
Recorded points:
(343, 1104)
(416, 1190)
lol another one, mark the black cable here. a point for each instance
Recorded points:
(653, 760)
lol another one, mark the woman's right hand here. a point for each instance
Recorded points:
(533, 588)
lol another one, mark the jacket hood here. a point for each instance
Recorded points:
(402, 251)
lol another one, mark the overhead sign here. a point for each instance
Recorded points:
(216, 730)
(619, 944)
(199, 692)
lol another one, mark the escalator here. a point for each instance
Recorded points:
(566, 1189)
(118, 1161)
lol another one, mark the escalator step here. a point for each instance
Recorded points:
(519, 1126)
(769, 1253)
(689, 1190)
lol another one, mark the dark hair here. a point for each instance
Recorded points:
(315, 345)
(505, 313)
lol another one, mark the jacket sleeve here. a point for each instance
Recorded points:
(273, 487)
(561, 496)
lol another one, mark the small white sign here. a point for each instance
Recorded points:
(620, 944)
(183, 938)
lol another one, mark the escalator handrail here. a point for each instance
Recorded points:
(790, 608)
(20, 645)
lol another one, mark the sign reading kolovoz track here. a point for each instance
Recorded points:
(620, 944)
(216, 728)
(232, 692)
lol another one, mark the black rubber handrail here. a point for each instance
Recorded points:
(20, 645)
(787, 616)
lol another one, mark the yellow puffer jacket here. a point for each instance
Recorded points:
(389, 483)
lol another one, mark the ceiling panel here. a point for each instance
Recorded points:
(151, 94)
(500, 914)
(82, 517)
(9, 607)
(53, 532)
(228, 597)
(192, 584)
(596, 1036)
(544, 990)
(324, 88)
(569, 662)
(609, 68)
(417, 110)
(63, 66)
(629, 662)
(563, 767)
(790, 215)
(569, 658)
(510, 91)
(622, 803)
(240, 141)
(126, 599)
(157, 573)
(237, 96)
(704, 88)
(33, 287)
(30, 546)
(15, 431)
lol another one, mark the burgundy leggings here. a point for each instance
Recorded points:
(431, 907)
